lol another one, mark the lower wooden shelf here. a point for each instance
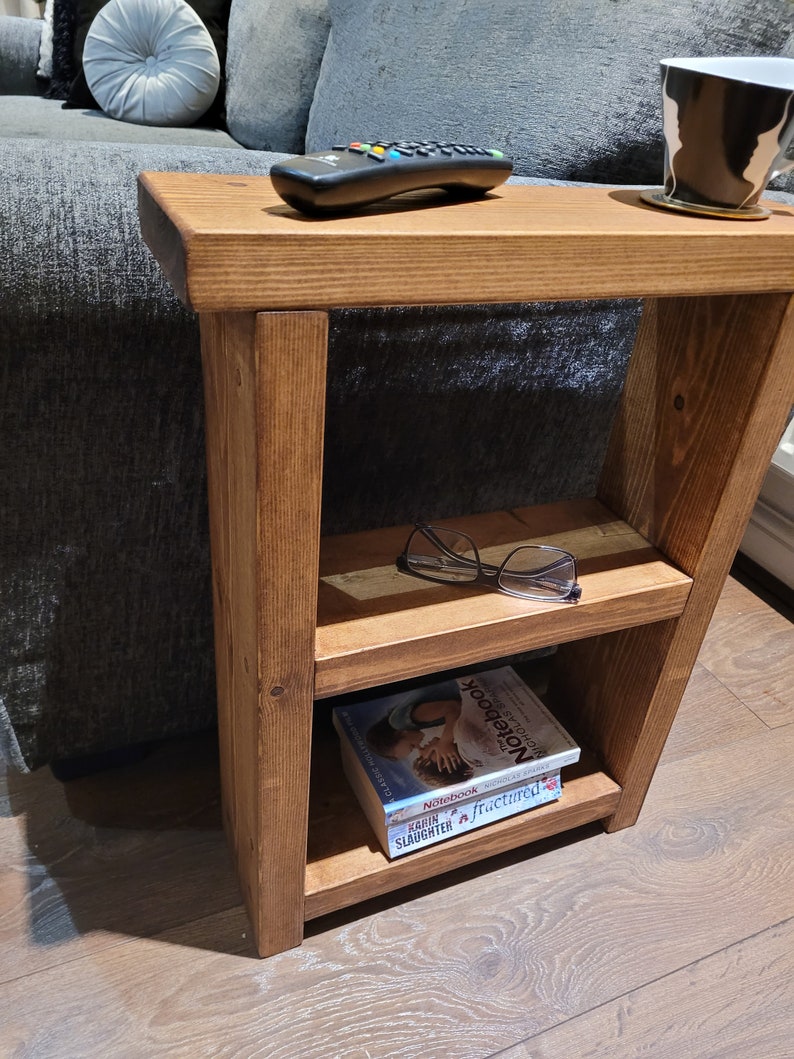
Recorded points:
(345, 862)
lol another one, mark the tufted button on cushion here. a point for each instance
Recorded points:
(151, 62)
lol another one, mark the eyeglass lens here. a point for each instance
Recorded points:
(443, 554)
(552, 572)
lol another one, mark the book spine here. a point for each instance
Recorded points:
(427, 802)
(434, 827)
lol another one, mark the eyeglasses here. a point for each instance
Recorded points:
(532, 571)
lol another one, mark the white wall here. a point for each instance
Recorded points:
(26, 8)
(769, 540)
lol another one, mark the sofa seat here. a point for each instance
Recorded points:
(37, 118)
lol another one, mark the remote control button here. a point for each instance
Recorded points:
(495, 154)
(394, 154)
(377, 157)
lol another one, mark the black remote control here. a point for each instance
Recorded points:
(358, 173)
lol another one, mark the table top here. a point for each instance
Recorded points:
(229, 243)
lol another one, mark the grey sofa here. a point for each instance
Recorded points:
(105, 601)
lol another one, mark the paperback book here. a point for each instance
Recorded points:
(429, 828)
(434, 747)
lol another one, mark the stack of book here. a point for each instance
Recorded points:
(444, 758)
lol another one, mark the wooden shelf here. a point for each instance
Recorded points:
(378, 625)
(346, 864)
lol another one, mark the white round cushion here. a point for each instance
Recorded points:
(151, 62)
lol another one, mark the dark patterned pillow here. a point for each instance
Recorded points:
(63, 72)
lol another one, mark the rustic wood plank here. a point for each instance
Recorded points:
(358, 574)
(291, 420)
(229, 243)
(229, 359)
(366, 652)
(346, 863)
(376, 624)
(709, 388)
(265, 398)
(688, 484)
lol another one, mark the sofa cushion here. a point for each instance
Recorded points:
(568, 90)
(274, 53)
(20, 40)
(151, 62)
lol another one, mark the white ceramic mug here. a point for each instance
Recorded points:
(728, 123)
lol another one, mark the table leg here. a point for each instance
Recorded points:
(264, 380)
(710, 383)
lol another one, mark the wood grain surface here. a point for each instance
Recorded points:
(686, 482)
(753, 634)
(705, 1009)
(376, 624)
(230, 243)
(265, 398)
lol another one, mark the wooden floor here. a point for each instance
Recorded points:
(122, 932)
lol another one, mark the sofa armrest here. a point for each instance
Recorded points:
(19, 55)
(107, 433)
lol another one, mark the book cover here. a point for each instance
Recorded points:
(429, 828)
(429, 748)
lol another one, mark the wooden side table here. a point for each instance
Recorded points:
(710, 382)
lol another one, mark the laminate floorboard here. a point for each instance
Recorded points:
(750, 650)
(737, 1002)
(125, 853)
(122, 932)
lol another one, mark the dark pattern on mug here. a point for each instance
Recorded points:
(723, 137)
